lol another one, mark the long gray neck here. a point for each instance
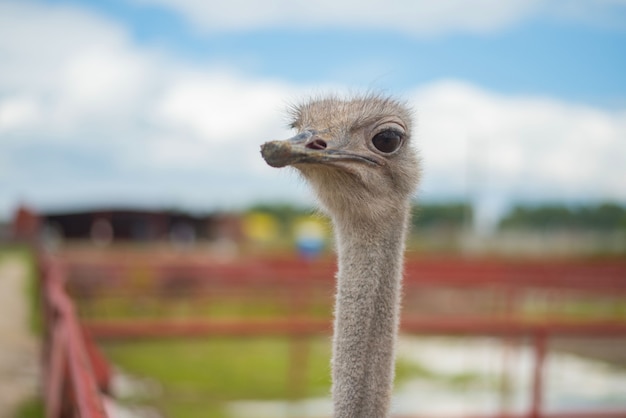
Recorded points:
(366, 314)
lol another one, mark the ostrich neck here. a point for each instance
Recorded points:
(366, 313)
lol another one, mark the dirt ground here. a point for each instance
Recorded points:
(19, 351)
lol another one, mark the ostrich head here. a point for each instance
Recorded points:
(356, 154)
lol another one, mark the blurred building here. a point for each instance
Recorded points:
(108, 225)
(26, 225)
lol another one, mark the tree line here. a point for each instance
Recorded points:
(459, 215)
(599, 217)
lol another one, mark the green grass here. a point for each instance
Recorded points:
(197, 374)
(220, 306)
(31, 408)
(200, 375)
(406, 370)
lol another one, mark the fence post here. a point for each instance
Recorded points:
(71, 388)
(539, 343)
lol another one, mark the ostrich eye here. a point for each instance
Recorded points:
(387, 141)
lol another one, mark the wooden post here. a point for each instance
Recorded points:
(537, 389)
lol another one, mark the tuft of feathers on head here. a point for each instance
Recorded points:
(363, 106)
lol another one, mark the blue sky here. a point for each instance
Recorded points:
(580, 60)
(164, 103)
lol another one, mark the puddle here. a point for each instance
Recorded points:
(125, 387)
(464, 377)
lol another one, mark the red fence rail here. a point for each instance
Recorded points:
(78, 375)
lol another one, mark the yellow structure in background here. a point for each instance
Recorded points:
(311, 227)
(261, 228)
(308, 233)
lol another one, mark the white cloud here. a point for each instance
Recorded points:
(37, 34)
(418, 17)
(69, 66)
(222, 107)
(17, 111)
(415, 17)
(98, 77)
(479, 143)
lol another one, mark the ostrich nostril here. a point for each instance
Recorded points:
(316, 144)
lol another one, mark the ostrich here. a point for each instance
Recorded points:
(356, 155)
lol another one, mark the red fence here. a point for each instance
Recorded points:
(73, 361)
(76, 374)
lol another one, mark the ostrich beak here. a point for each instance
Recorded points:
(304, 147)
(307, 147)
